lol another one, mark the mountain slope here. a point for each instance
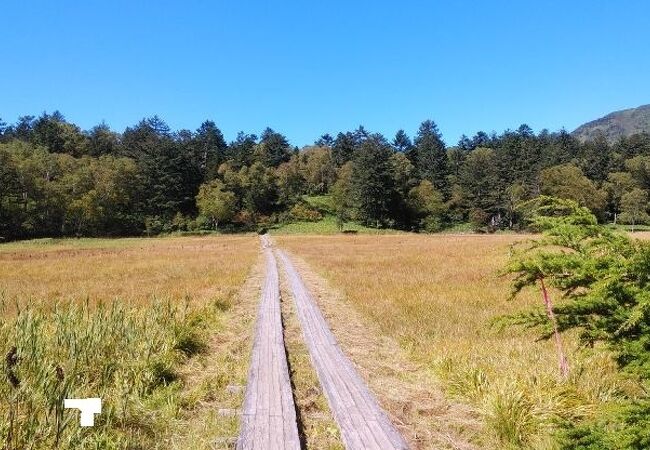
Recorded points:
(617, 124)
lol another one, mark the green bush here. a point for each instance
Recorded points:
(303, 213)
(626, 427)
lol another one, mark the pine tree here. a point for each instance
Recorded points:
(326, 140)
(275, 148)
(209, 147)
(479, 180)
(603, 277)
(601, 273)
(372, 183)
(402, 143)
(431, 156)
(343, 148)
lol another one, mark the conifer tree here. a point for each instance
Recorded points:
(372, 183)
(431, 156)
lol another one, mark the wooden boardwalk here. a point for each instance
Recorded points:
(268, 419)
(363, 423)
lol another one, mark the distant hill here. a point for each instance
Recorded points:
(617, 124)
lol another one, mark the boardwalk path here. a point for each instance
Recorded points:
(269, 415)
(363, 424)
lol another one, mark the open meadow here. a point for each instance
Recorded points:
(161, 329)
(135, 271)
(145, 324)
(439, 297)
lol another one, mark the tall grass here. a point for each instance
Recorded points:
(127, 356)
(115, 319)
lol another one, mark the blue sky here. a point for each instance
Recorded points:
(309, 67)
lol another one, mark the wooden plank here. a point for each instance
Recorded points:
(363, 423)
(269, 416)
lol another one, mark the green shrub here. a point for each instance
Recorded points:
(303, 213)
(626, 427)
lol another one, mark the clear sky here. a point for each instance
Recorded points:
(309, 67)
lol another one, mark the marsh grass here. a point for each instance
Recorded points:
(114, 319)
(439, 296)
(132, 270)
(128, 357)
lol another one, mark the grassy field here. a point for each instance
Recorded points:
(438, 296)
(161, 329)
(123, 320)
(132, 270)
(327, 225)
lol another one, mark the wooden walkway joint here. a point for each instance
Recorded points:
(268, 419)
(363, 423)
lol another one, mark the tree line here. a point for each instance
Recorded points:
(59, 180)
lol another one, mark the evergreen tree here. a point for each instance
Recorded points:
(343, 148)
(102, 141)
(372, 183)
(274, 147)
(431, 156)
(479, 181)
(3, 129)
(595, 159)
(162, 168)
(402, 143)
(210, 148)
(240, 151)
(602, 276)
(465, 144)
(482, 139)
(324, 141)
(24, 128)
(58, 136)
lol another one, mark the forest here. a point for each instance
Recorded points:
(59, 180)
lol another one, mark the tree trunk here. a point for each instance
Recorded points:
(562, 359)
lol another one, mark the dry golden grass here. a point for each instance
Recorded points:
(162, 366)
(216, 380)
(131, 270)
(415, 404)
(438, 296)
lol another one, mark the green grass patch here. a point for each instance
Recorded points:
(629, 227)
(327, 225)
(322, 203)
(464, 227)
